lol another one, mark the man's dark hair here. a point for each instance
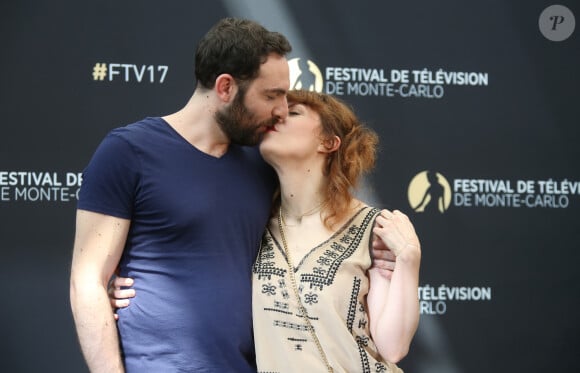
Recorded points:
(237, 47)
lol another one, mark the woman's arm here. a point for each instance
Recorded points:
(393, 302)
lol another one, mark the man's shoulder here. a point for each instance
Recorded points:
(146, 132)
(145, 125)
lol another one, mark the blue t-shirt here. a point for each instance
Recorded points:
(196, 225)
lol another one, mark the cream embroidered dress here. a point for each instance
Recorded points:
(333, 284)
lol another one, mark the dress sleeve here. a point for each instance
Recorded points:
(110, 180)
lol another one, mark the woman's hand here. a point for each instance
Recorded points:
(395, 240)
(383, 258)
(119, 296)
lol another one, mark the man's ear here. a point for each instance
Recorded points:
(226, 87)
(329, 145)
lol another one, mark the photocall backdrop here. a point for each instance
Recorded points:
(476, 105)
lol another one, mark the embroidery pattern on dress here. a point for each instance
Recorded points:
(290, 325)
(265, 266)
(331, 259)
(353, 303)
(364, 359)
(380, 367)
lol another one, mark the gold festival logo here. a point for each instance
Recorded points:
(429, 191)
(304, 74)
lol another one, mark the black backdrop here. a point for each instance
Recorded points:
(473, 102)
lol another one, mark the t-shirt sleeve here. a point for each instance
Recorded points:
(110, 179)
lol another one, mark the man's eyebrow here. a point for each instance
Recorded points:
(277, 91)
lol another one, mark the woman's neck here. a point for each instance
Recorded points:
(301, 192)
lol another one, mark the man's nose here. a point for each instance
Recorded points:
(281, 110)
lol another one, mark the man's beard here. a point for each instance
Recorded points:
(238, 123)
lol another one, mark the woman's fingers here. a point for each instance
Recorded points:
(396, 232)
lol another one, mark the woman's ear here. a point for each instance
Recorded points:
(329, 145)
(226, 87)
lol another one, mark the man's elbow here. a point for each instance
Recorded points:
(75, 292)
(84, 290)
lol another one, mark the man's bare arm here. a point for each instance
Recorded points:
(99, 243)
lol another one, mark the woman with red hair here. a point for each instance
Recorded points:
(318, 305)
